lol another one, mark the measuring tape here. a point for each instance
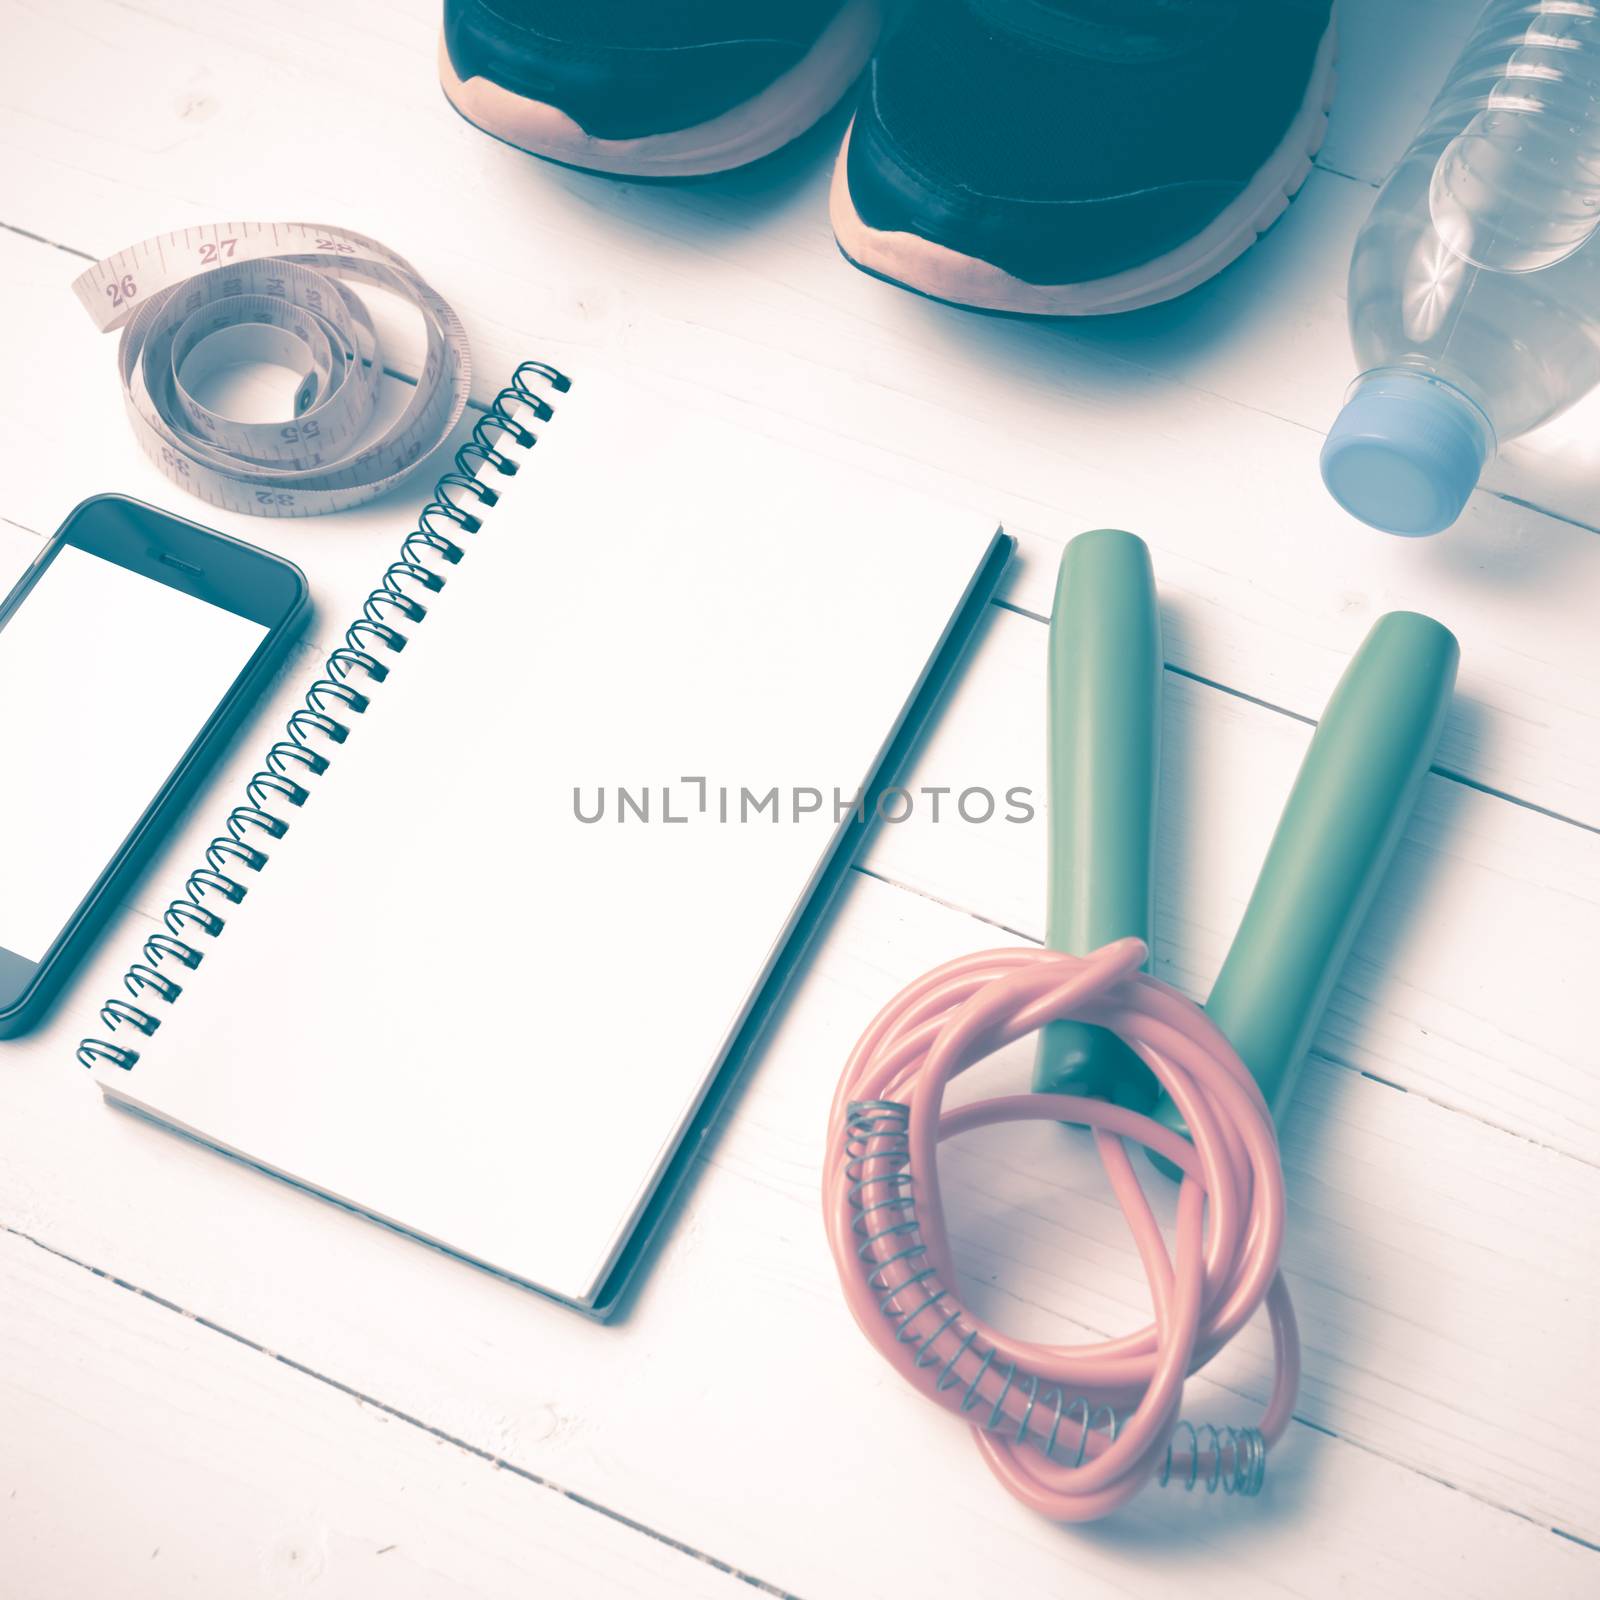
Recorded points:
(285, 286)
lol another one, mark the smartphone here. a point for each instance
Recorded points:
(129, 652)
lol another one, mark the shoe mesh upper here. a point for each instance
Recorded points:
(1053, 100)
(665, 24)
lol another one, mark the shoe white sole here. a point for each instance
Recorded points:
(760, 125)
(946, 274)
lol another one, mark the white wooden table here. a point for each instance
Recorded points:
(211, 1384)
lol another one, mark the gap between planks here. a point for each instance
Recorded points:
(1332, 1058)
(1450, 774)
(760, 1585)
(482, 406)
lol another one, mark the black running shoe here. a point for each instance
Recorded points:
(1073, 157)
(655, 88)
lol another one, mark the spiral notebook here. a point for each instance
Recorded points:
(494, 926)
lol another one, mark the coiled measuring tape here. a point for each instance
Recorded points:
(288, 285)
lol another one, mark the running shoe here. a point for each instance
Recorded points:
(1076, 157)
(652, 88)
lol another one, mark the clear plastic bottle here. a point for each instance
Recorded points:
(1474, 291)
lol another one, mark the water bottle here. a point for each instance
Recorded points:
(1474, 290)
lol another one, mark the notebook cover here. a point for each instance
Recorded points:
(451, 1002)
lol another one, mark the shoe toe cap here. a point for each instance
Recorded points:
(616, 89)
(1076, 239)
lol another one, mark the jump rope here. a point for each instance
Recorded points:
(1074, 1432)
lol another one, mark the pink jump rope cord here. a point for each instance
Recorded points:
(1072, 1431)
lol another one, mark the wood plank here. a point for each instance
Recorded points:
(734, 285)
(1426, 1249)
(207, 1467)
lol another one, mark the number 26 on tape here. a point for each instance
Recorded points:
(121, 290)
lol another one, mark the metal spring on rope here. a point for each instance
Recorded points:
(458, 499)
(877, 1131)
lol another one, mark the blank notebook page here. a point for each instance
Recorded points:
(448, 1001)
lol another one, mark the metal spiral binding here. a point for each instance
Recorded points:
(877, 1156)
(459, 498)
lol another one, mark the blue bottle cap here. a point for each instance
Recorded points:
(1405, 453)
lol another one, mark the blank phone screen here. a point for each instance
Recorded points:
(106, 678)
